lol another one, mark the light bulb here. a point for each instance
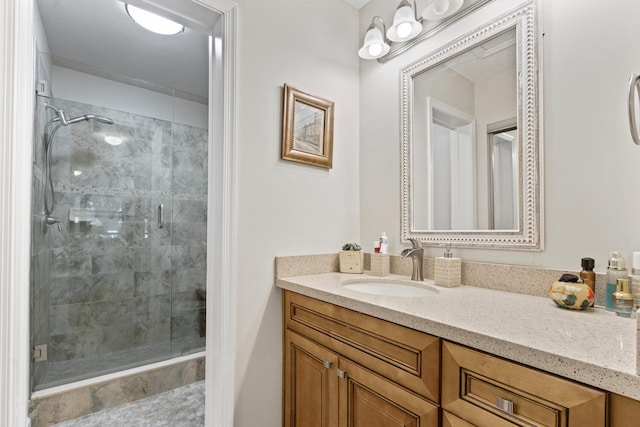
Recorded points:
(440, 6)
(375, 49)
(404, 30)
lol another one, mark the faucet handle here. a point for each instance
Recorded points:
(416, 244)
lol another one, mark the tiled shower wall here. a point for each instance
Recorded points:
(119, 282)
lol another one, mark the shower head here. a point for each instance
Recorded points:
(60, 117)
(99, 119)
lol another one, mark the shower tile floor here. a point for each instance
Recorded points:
(181, 407)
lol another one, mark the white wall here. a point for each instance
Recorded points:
(287, 208)
(591, 167)
(81, 87)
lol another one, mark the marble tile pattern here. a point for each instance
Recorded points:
(121, 282)
(181, 407)
(594, 347)
(90, 399)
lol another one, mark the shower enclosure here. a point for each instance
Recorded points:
(118, 271)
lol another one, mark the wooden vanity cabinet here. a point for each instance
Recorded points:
(343, 369)
(484, 390)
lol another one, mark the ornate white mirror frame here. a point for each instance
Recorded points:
(529, 232)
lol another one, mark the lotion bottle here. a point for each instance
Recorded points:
(616, 269)
(622, 298)
(384, 243)
(635, 281)
(447, 269)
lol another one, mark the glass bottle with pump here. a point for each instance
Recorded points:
(616, 269)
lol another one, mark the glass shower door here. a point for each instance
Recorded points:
(127, 269)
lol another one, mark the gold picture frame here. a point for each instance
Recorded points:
(307, 128)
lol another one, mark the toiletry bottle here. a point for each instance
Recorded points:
(635, 280)
(622, 298)
(587, 274)
(384, 243)
(447, 269)
(616, 269)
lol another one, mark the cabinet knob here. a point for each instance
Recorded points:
(341, 373)
(327, 364)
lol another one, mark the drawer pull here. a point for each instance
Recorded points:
(504, 405)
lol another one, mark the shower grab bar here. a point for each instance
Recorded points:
(161, 215)
(634, 87)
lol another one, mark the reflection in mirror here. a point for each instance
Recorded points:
(503, 194)
(470, 139)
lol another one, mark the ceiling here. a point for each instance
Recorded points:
(98, 37)
(357, 3)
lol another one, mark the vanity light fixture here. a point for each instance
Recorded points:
(375, 43)
(411, 26)
(406, 25)
(440, 9)
(152, 22)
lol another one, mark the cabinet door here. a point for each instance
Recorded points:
(367, 399)
(450, 420)
(310, 384)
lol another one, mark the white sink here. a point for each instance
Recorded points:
(390, 288)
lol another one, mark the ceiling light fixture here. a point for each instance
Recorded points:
(152, 22)
(375, 43)
(113, 140)
(405, 23)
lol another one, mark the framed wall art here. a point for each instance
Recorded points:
(307, 128)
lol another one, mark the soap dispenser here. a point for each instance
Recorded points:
(448, 270)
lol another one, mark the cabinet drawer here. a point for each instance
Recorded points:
(403, 355)
(474, 382)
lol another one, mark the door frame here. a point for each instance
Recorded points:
(17, 52)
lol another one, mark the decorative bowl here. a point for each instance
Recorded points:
(574, 296)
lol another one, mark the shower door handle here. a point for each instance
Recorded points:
(161, 215)
(634, 81)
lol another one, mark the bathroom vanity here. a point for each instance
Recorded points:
(460, 357)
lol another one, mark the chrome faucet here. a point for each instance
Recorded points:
(416, 253)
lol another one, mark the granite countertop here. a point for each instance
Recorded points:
(594, 346)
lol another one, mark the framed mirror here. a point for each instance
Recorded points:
(471, 139)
